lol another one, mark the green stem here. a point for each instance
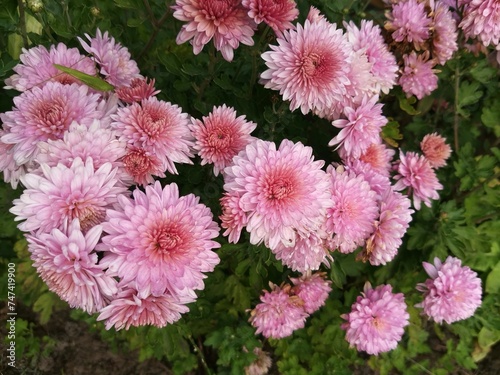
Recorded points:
(200, 355)
(156, 27)
(22, 23)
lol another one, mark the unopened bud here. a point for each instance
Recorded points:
(95, 11)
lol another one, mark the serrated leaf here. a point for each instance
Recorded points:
(491, 117)
(493, 280)
(91, 81)
(469, 93)
(390, 133)
(406, 105)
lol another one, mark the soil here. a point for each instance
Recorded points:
(79, 351)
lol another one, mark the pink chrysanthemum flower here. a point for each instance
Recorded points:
(309, 66)
(233, 217)
(379, 157)
(368, 38)
(435, 149)
(129, 309)
(308, 252)
(138, 90)
(160, 242)
(11, 170)
(313, 289)
(408, 22)
(66, 262)
(445, 35)
(452, 293)
(64, 193)
(142, 165)
(361, 128)
(46, 113)
(415, 173)
(355, 209)
(79, 141)
(377, 320)
(220, 136)
(114, 60)
(37, 67)
(227, 22)
(378, 182)
(158, 127)
(278, 314)
(314, 15)
(481, 19)
(395, 217)
(282, 191)
(418, 77)
(278, 14)
(261, 365)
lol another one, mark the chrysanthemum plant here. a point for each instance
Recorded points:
(258, 186)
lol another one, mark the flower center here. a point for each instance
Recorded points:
(154, 123)
(313, 64)
(165, 239)
(52, 118)
(279, 189)
(137, 163)
(219, 139)
(217, 9)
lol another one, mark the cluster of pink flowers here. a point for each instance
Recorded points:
(285, 308)
(231, 22)
(425, 33)
(77, 151)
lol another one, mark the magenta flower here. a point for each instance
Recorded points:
(64, 193)
(226, 22)
(390, 228)
(278, 14)
(37, 67)
(418, 77)
(220, 136)
(283, 191)
(313, 289)
(46, 113)
(309, 66)
(361, 128)
(129, 309)
(159, 242)
(66, 262)
(278, 314)
(452, 293)
(368, 38)
(415, 173)
(435, 149)
(351, 219)
(408, 22)
(445, 35)
(138, 90)
(377, 320)
(114, 60)
(481, 20)
(158, 127)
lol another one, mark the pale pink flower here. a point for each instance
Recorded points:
(452, 293)
(395, 217)
(361, 128)
(282, 191)
(379, 156)
(314, 15)
(378, 182)
(261, 365)
(220, 136)
(415, 173)
(233, 217)
(408, 22)
(64, 193)
(481, 20)
(278, 14)
(351, 219)
(308, 252)
(368, 38)
(160, 242)
(309, 66)
(142, 165)
(158, 127)
(435, 149)
(114, 60)
(66, 262)
(278, 314)
(11, 170)
(138, 90)
(377, 320)
(313, 289)
(445, 35)
(128, 309)
(226, 22)
(418, 77)
(46, 113)
(37, 67)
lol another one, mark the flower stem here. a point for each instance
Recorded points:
(201, 357)
(22, 23)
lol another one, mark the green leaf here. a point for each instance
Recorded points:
(493, 280)
(406, 105)
(391, 133)
(91, 81)
(491, 117)
(469, 94)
